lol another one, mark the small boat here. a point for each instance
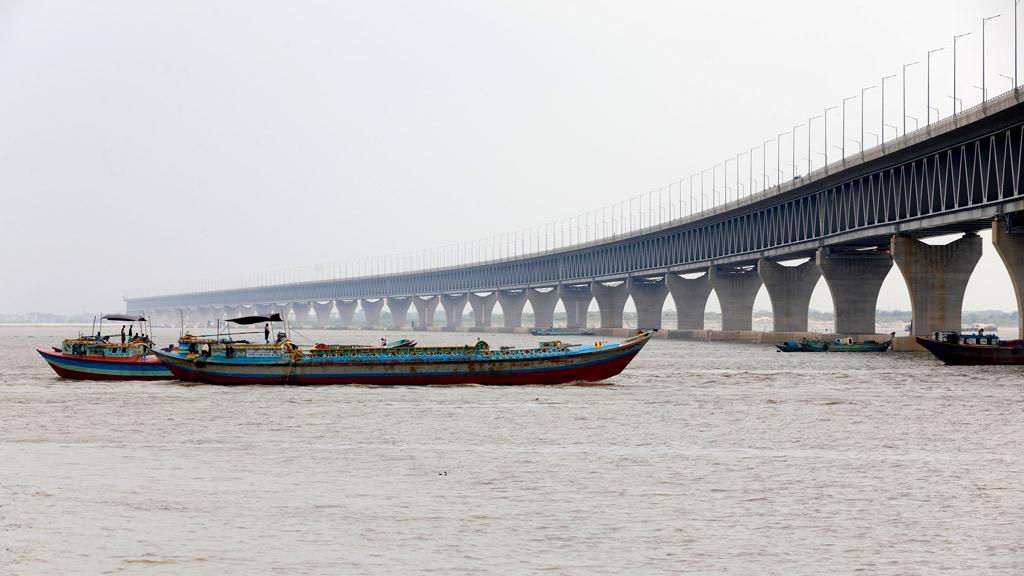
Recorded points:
(561, 331)
(973, 348)
(792, 346)
(95, 357)
(283, 362)
(836, 345)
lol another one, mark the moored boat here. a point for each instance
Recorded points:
(95, 357)
(283, 362)
(561, 331)
(973, 349)
(836, 345)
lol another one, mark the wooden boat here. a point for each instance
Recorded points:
(95, 357)
(974, 349)
(836, 345)
(282, 362)
(561, 331)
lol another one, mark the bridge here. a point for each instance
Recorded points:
(852, 219)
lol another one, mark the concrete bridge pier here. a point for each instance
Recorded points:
(736, 289)
(854, 279)
(543, 304)
(371, 312)
(790, 289)
(512, 303)
(346, 312)
(576, 299)
(454, 305)
(611, 300)
(649, 298)
(301, 311)
(936, 278)
(691, 299)
(482, 306)
(399, 309)
(1009, 244)
(425, 309)
(323, 312)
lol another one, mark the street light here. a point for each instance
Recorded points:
(764, 164)
(1015, 52)
(809, 155)
(1010, 78)
(929, 80)
(750, 171)
(984, 21)
(825, 121)
(955, 38)
(905, 66)
(778, 156)
(845, 100)
(884, 78)
(917, 124)
(862, 91)
(984, 92)
(793, 157)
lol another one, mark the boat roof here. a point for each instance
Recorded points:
(123, 318)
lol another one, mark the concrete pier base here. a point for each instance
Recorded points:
(425, 310)
(736, 289)
(371, 312)
(936, 278)
(790, 289)
(346, 312)
(611, 300)
(454, 305)
(399, 309)
(576, 299)
(854, 278)
(301, 311)
(323, 313)
(543, 304)
(512, 303)
(691, 300)
(1009, 243)
(649, 298)
(483, 307)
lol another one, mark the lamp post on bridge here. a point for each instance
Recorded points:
(809, 155)
(845, 100)
(692, 176)
(862, 91)
(793, 155)
(882, 84)
(984, 21)
(725, 175)
(928, 76)
(955, 39)
(778, 157)
(750, 171)
(905, 66)
(764, 163)
(825, 138)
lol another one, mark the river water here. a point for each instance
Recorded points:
(702, 458)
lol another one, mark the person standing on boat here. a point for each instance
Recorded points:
(130, 332)
(122, 333)
(266, 333)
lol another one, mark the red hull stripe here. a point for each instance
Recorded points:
(588, 372)
(85, 368)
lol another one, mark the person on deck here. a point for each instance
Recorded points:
(122, 333)
(130, 332)
(266, 333)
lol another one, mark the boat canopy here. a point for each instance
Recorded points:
(245, 320)
(124, 318)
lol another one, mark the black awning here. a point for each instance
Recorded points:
(256, 319)
(124, 318)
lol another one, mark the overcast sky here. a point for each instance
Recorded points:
(150, 142)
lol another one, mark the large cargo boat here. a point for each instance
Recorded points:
(95, 357)
(973, 349)
(282, 362)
